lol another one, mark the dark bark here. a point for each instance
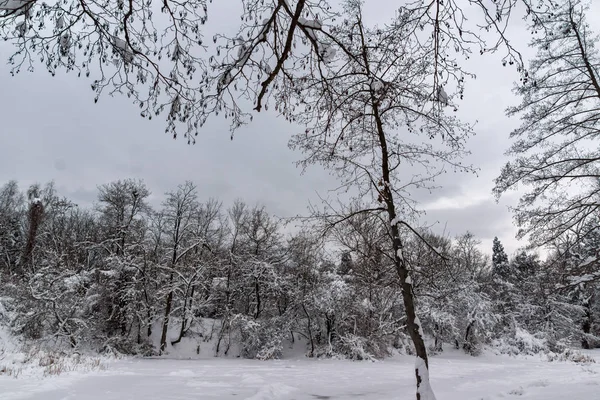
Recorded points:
(467, 344)
(586, 326)
(438, 338)
(312, 343)
(330, 325)
(184, 321)
(36, 211)
(165, 327)
(257, 294)
(399, 262)
(169, 304)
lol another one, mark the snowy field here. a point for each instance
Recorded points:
(454, 376)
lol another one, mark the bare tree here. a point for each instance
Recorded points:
(11, 235)
(179, 212)
(122, 207)
(374, 122)
(201, 261)
(555, 153)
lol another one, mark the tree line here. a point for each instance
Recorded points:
(122, 276)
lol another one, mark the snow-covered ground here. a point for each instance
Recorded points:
(454, 376)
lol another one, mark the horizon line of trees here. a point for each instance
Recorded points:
(125, 277)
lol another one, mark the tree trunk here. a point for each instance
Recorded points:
(36, 211)
(412, 321)
(257, 294)
(586, 326)
(312, 342)
(165, 327)
(467, 345)
(439, 344)
(424, 391)
(183, 329)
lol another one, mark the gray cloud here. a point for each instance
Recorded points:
(485, 219)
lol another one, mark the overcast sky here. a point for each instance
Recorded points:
(52, 130)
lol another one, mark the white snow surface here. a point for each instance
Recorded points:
(454, 376)
(425, 389)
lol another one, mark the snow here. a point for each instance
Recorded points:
(325, 50)
(273, 391)
(454, 376)
(400, 254)
(377, 86)
(419, 327)
(425, 389)
(73, 282)
(442, 96)
(8, 344)
(313, 24)
(123, 48)
(11, 5)
(589, 260)
(219, 282)
(576, 280)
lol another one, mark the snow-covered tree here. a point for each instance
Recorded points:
(368, 118)
(11, 232)
(555, 150)
(122, 207)
(179, 209)
(499, 259)
(334, 286)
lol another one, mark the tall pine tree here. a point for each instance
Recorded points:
(499, 260)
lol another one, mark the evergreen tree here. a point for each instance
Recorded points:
(499, 260)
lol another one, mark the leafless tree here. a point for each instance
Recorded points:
(555, 152)
(179, 212)
(372, 120)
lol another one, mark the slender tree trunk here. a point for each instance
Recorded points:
(169, 304)
(165, 327)
(586, 326)
(312, 342)
(36, 211)
(184, 323)
(438, 338)
(257, 293)
(149, 322)
(467, 345)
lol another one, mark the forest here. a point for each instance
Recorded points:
(117, 275)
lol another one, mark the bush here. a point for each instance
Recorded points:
(571, 355)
